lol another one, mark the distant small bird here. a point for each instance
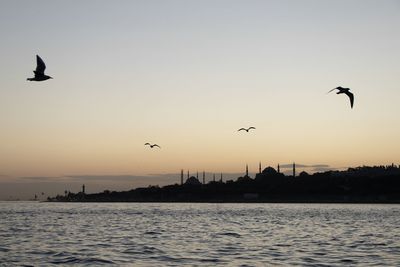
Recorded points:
(345, 91)
(152, 145)
(39, 72)
(247, 130)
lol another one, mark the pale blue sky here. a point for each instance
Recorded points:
(187, 75)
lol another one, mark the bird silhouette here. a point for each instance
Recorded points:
(39, 72)
(152, 145)
(247, 130)
(345, 91)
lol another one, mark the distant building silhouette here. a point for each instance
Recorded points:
(368, 171)
(294, 169)
(246, 177)
(192, 181)
(259, 167)
(267, 173)
(182, 177)
(204, 177)
(303, 174)
(279, 168)
(83, 188)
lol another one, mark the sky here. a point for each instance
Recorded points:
(186, 75)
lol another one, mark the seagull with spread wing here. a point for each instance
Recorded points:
(152, 145)
(247, 130)
(39, 72)
(345, 91)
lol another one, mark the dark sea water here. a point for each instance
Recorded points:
(169, 234)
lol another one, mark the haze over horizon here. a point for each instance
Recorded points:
(187, 75)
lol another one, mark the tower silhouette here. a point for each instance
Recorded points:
(294, 169)
(182, 177)
(279, 169)
(259, 167)
(247, 170)
(83, 188)
(204, 177)
(221, 178)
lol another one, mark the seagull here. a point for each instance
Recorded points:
(39, 72)
(247, 130)
(345, 91)
(152, 145)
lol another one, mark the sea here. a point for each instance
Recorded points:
(198, 234)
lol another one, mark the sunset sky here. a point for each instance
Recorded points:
(186, 75)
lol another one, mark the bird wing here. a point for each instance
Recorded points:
(252, 127)
(242, 129)
(157, 145)
(351, 96)
(332, 90)
(147, 144)
(40, 66)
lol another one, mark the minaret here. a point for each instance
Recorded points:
(83, 189)
(279, 169)
(294, 169)
(221, 178)
(182, 177)
(197, 175)
(188, 174)
(259, 167)
(204, 177)
(247, 170)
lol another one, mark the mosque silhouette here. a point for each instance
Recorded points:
(268, 172)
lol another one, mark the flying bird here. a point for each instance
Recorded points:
(247, 130)
(39, 72)
(152, 145)
(345, 91)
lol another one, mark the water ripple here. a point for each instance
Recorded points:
(156, 234)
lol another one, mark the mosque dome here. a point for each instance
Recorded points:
(192, 181)
(269, 171)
